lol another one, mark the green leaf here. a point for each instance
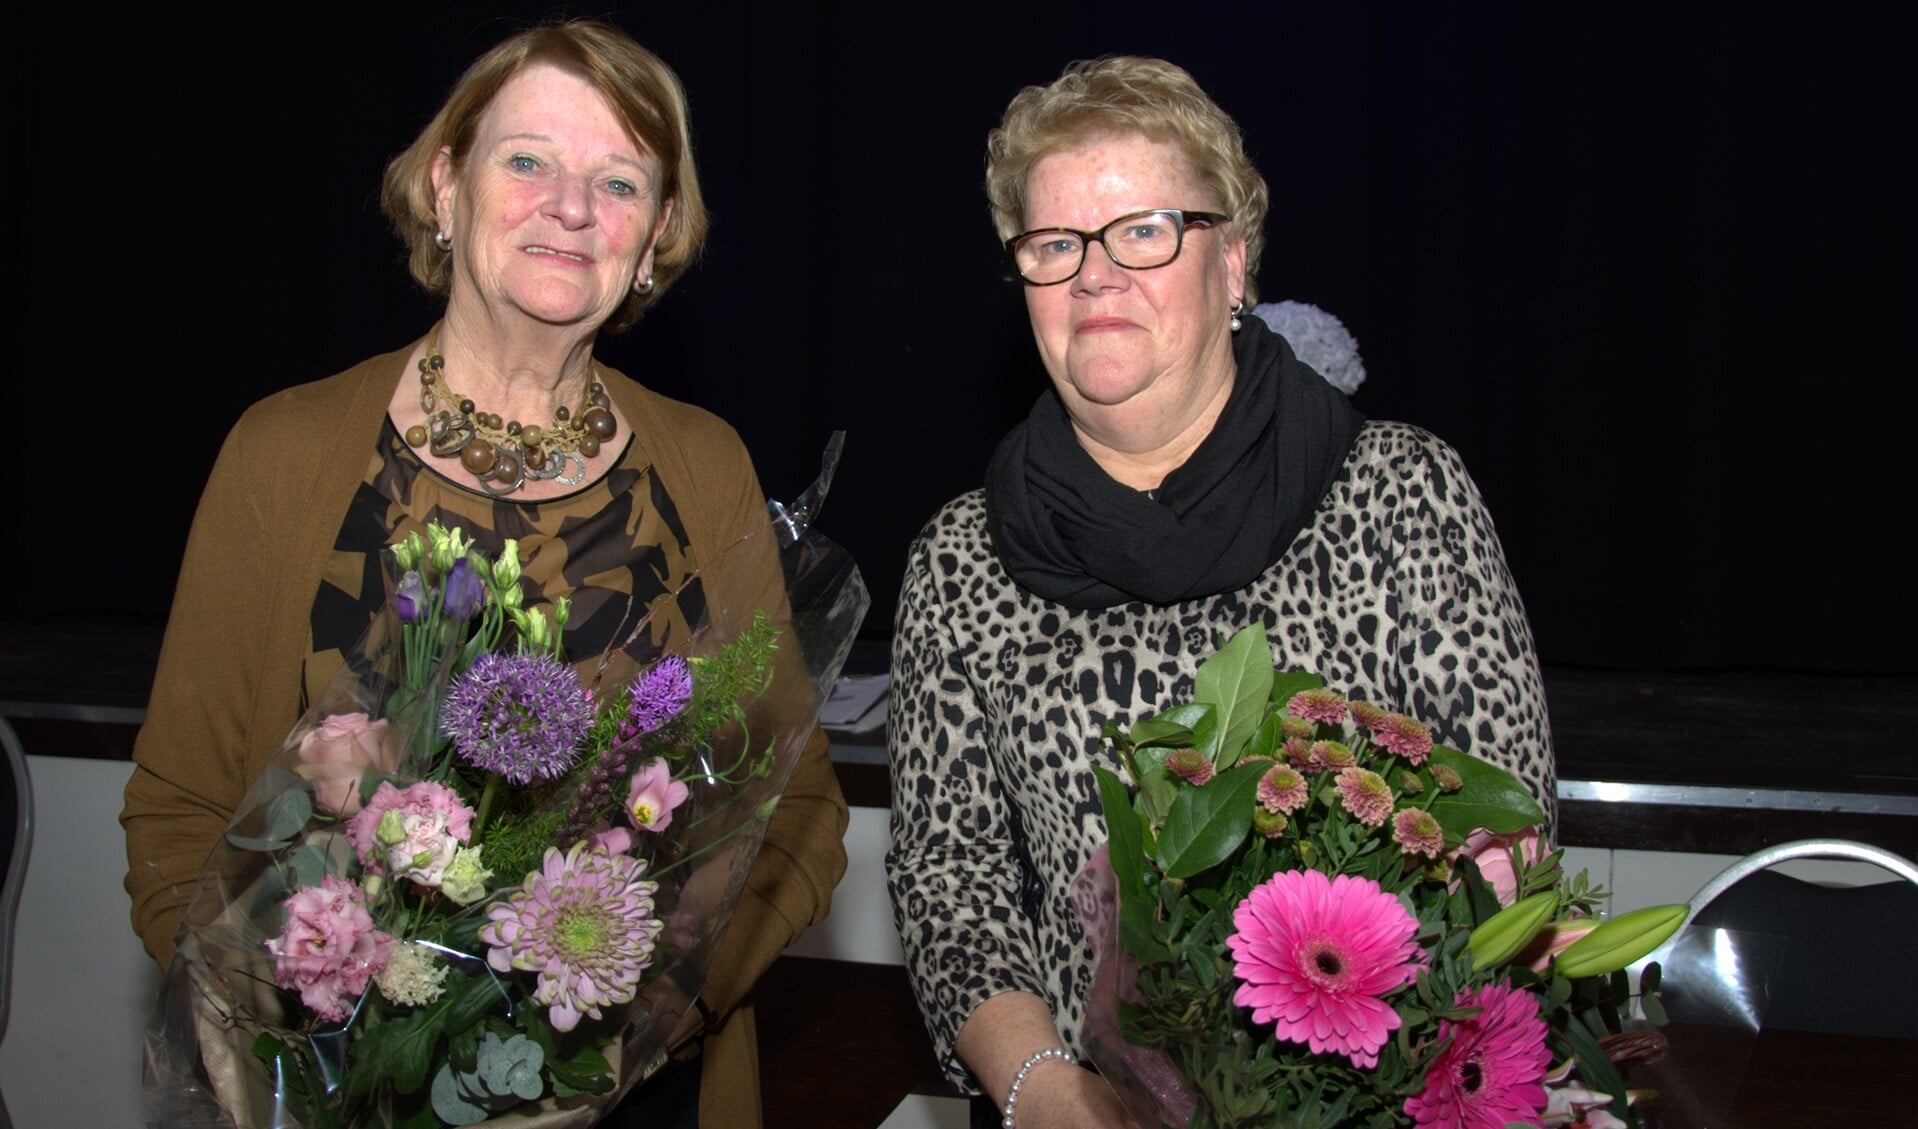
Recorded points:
(1125, 847)
(1207, 824)
(1237, 680)
(1286, 683)
(287, 813)
(1266, 739)
(475, 998)
(1171, 729)
(1490, 797)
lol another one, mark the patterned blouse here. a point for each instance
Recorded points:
(615, 547)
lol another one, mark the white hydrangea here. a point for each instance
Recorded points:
(1319, 339)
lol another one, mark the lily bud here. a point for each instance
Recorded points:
(1622, 940)
(1506, 932)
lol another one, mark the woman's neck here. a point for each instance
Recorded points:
(1140, 449)
(516, 369)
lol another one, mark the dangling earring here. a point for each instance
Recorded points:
(1237, 307)
(443, 241)
(645, 287)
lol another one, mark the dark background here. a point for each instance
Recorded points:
(1646, 265)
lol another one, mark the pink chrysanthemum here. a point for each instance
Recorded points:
(1446, 777)
(1404, 736)
(329, 948)
(1365, 794)
(1190, 765)
(1315, 956)
(1317, 705)
(1366, 714)
(1492, 1073)
(1282, 789)
(1418, 833)
(1270, 824)
(1290, 726)
(1298, 753)
(585, 923)
(1331, 756)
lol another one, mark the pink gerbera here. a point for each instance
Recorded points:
(1403, 735)
(1492, 1073)
(1365, 794)
(1315, 955)
(1317, 705)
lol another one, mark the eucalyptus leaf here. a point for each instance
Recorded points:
(1205, 825)
(450, 1102)
(1489, 797)
(307, 865)
(255, 842)
(1237, 681)
(287, 813)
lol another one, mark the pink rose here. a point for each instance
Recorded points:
(329, 948)
(1494, 856)
(337, 754)
(654, 795)
(412, 833)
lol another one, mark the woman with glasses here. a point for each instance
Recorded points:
(1184, 476)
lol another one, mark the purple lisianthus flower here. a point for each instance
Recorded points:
(658, 696)
(521, 716)
(464, 591)
(409, 599)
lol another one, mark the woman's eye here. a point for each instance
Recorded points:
(520, 162)
(1060, 247)
(622, 187)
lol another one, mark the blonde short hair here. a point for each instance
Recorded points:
(643, 92)
(1119, 95)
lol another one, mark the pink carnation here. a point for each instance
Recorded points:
(329, 948)
(1315, 956)
(1492, 1072)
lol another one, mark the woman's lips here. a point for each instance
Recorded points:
(555, 252)
(1096, 325)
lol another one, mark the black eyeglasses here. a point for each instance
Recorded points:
(1047, 256)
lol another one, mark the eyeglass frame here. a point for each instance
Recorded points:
(1187, 219)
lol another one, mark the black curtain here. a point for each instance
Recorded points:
(1643, 264)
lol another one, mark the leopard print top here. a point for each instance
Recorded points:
(1396, 592)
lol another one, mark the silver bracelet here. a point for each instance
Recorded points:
(1025, 1068)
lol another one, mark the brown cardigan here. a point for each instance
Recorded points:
(227, 688)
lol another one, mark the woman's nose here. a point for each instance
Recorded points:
(571, 201)
(1098, 270)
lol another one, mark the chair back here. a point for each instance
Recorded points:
(1838, 969)
(16, 842)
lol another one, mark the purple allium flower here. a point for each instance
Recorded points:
(409, 599)
(585, 923)
(464, 590)
(521, 716)
(658, 696)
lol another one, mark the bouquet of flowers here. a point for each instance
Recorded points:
(475, 886)
(1310, 914)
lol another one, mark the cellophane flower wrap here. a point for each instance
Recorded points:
(1308, 913)
(480, 884)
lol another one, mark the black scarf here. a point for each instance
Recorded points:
(1069, 532)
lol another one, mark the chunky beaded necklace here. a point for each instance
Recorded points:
(502, 456)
